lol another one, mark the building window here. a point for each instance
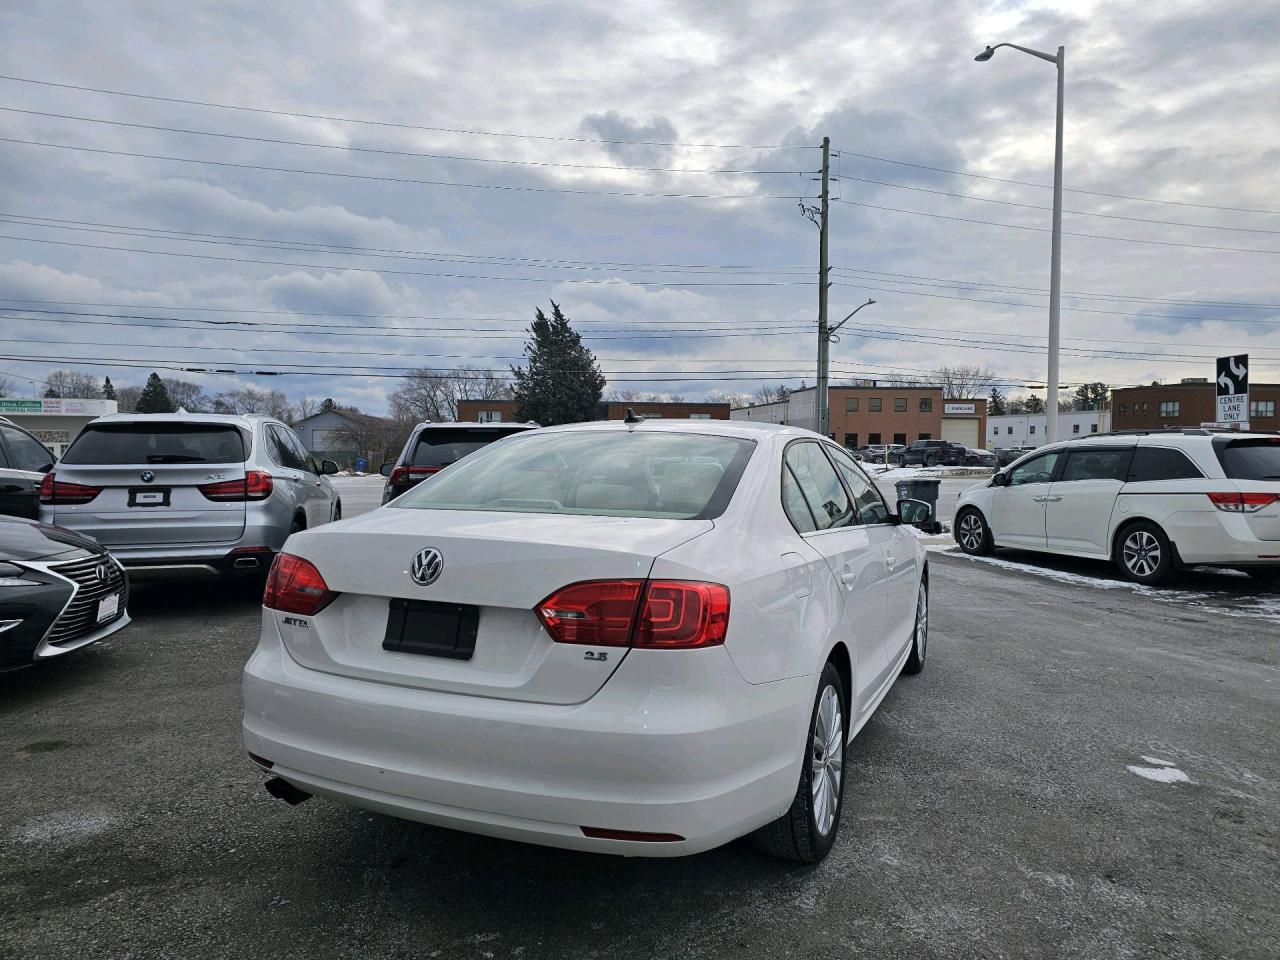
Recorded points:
(851, 404)
(926, 404)
(851, 441)
(1143, 405)
(489, 416)
(925, 436)
(899, 404)
(1075, 428)
(1010, 429)
(873, 438)
(995, 431)
(1262, 408)
(873, 404)
(1093, 428)
(1033, 429)
(900, 439)
(1124, 408)
(699, 416)
(1169, 408)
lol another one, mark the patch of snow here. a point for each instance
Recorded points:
(881, 472)
(1158, 762)
(1160, 774)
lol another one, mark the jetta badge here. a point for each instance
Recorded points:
(147, 476)
(427, 566)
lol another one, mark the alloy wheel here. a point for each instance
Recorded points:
(1142, 554)
(827, 762)
(922, 620)
(970, 531)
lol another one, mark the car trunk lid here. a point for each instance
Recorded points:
(499, 564)
(1253, 466)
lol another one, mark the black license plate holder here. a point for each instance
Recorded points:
(149, 496)
(432, 629)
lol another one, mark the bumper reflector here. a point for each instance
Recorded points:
(599, 833)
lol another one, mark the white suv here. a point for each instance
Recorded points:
(1149, 501)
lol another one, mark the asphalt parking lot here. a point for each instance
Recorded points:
(1082, 771)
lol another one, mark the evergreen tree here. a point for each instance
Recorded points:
(561, 383)
(328, 405)
(154, 397)
(108, 389)
(1034, 404)
(996, 406)
(51, 393)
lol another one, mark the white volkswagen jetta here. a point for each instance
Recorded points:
(634, 638)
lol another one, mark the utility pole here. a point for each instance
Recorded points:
(1055, 268)
(820, 413)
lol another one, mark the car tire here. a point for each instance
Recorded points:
(807, 831)
(920, 636)
(337, 511)
(931, 462)
(1144, 554)
(297, 526)
(972, 533)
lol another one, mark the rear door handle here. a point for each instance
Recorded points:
(848, 579)
(1051, 499)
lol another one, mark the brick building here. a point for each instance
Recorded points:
(505, 411)
(1187, 404)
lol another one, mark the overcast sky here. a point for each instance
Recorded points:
(1176, 101)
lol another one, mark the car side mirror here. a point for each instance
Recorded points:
(1000, 479)
(328, 467)
(386, 469)
(917, 513)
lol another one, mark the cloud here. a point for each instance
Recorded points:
(654, 150)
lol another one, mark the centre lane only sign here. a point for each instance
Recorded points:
(1232, 386)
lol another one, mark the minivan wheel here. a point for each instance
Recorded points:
(920, 638)
(1143, 553)
(807, 831)
(972, 533)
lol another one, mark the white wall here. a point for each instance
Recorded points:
(1028, 430)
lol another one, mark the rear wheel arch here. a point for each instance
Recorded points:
(299, 520)
(839, 658)
(1128, 523)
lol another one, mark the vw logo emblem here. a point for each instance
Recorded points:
(103, 573)
(427, 566)
(147, 476)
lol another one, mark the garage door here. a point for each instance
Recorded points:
(964, 430)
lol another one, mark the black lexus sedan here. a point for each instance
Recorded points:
(58, 592)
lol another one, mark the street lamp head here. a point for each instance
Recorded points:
(985, 55)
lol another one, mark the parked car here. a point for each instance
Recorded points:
(633, 638)
(932, 453)
(24, 461)
(977, 457)
(220, 493)
(433, 446)
(58, 592)
(1008, 455)
(875, 452)
(1149, 502)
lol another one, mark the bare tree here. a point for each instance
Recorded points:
(127, 398)
(434, 394)
(7, 387)
(964, 382)
(305, 407)
(71, 384)
(187, 396)
(377, 438)
(252, 400)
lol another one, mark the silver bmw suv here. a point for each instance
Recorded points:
(189, 490)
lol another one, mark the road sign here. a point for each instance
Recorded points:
(1233, 389)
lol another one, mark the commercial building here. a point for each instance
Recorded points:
(1190, 403)
(55, 421)
(874, 414)
(506, 411)
(1031, 429)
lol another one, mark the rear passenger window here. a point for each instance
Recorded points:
(820, 486)
(871, 506)
(26, 453)
(286, 453)
(794, 504)
(1161, 463)
(1097, 465)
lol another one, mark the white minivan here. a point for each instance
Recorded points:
(1150, 501)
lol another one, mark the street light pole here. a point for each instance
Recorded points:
(824, 339)
(1055, 265)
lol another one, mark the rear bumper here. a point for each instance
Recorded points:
(1219, 539)
(675, 743)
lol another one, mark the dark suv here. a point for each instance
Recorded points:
(433, 446)
(933, 453)
(24, 461)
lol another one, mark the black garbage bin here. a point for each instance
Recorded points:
(924, 489)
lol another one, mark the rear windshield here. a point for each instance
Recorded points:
(680, 476)
(124, 443)
(1251, 459)
(439, 448)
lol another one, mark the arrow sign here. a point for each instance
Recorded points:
(1232, 387)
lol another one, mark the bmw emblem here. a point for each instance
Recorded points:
(427, 566)
(147, 476)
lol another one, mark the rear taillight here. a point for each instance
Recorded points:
(1243, 502)
(407, 475)
(656, 614)
(256, 485)
(294, 585)
(53, 490)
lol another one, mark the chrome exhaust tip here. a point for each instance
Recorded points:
(246, 563)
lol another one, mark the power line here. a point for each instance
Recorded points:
(400, 153)
(1065, 233)
(402, 126)
(411, 273)
(1036, 206)
(1045, 186)
(339, 249)
(406, 180)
